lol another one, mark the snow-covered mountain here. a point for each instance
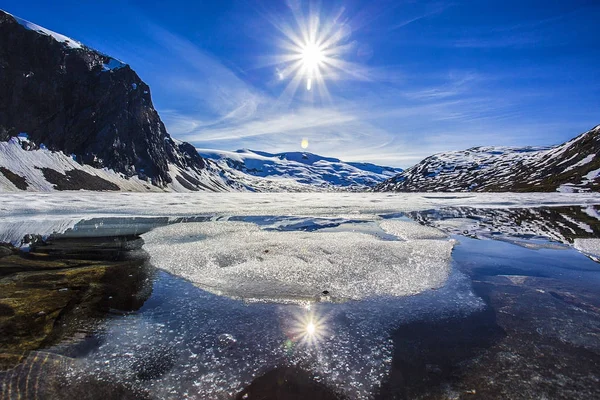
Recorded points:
(573, 166)
(26, 166)
(86, 121)
(296, 171)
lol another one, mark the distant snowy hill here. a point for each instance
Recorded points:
(296, 171)
(85, 121)
(573, 166)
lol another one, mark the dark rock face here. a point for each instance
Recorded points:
(574, 164)
(75, 180)
(84, 103)
(16, 180)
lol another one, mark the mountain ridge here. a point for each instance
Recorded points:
(295, 170)
(570, 166)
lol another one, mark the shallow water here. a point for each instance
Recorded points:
(516, 317)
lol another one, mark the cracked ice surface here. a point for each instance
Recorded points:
(240, 260)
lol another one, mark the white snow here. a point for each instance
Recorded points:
(580, 163)
(113, 64)
(27, 164)
(592, 212)
(295, 171)
(240, 260)
(57, 36)
(26, 204)
(581, 225)
(590, 247)
(593, 174)
(408, 230)
(567, 188)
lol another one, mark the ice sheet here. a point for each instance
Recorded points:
(409, 230)
(240, 260)
(25, 204)
(14, 231)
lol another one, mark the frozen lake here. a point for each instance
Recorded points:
(325, 296)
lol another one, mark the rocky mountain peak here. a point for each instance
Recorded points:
(73, 99)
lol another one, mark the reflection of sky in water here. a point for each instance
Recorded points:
(218, 345)
(492, 257)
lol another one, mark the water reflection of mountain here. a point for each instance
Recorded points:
(562, 224)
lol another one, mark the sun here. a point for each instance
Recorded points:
(312, 60)
(315, 48)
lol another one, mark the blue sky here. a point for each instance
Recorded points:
(412, 77)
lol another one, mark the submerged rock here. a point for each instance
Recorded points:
(38, 303)
(287, 383)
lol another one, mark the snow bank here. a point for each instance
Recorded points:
(240, 260)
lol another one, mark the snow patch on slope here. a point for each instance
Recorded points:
(29, 163)
(113, 64)
(57, 36)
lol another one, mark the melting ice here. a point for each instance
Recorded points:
(240, 260)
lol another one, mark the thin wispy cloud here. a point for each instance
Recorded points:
(431, 10)
(205, 79)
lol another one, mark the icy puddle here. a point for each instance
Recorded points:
(464, 303)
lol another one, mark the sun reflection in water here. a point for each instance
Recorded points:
(308, 327)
